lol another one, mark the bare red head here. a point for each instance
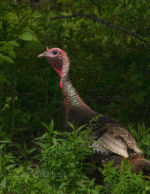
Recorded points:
(58, 60)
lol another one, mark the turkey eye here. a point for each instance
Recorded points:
(54, 52)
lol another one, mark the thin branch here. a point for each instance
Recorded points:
(102, 21)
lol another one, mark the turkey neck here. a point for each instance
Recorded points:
(72, 101)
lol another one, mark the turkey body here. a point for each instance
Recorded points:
(109, 135)
(111, 141)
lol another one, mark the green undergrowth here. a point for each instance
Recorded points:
(56, 166)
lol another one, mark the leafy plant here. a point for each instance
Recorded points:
(62, 158)
(142, 136)
(122, 181)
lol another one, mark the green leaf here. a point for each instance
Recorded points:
(14, 43)
(28, 36)
(5, 141)
(11, 166)
(4, 58)
(71, 125)
(3, 183)
(31, 150)
(51, 126)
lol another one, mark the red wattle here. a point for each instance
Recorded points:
(58, 71)
(60, 84)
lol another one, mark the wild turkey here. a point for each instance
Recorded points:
(110, 139)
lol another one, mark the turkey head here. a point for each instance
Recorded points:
(58, 60)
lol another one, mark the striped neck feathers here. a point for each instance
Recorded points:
(70, 94)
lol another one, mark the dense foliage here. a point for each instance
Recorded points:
(110, 69)
(60, 168)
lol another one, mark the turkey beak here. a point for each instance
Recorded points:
(45, 54)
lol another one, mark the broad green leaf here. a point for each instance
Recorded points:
(27, 36)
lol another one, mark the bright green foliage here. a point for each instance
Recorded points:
(142, 136)
(62, 159)
(60, 169)
(123, 181)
